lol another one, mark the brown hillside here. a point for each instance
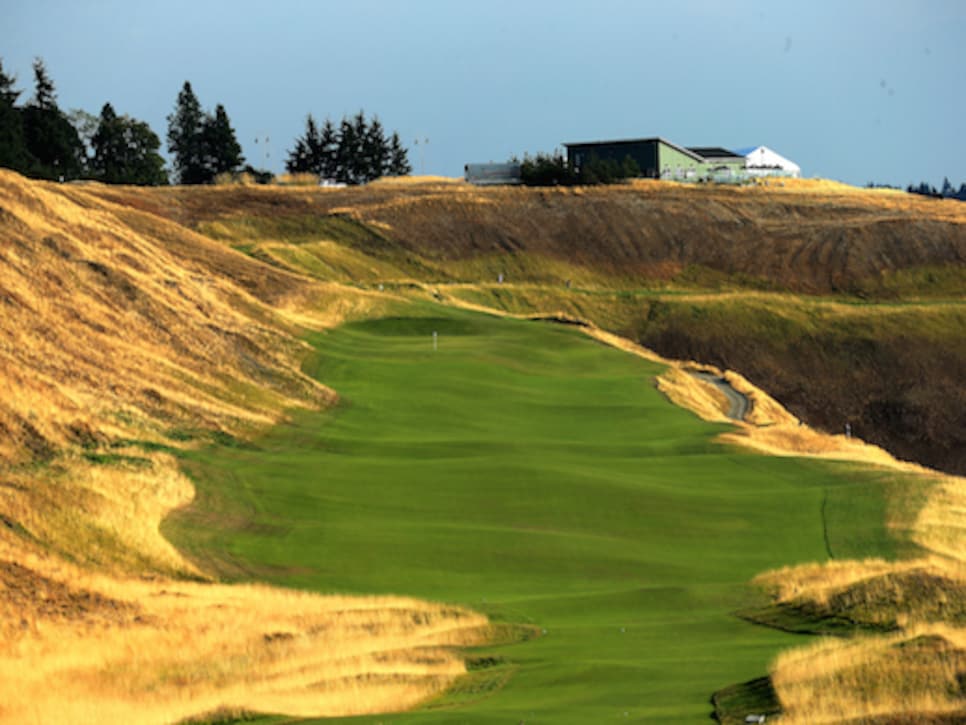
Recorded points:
(801, 237)
(109, 311)
(894, 373)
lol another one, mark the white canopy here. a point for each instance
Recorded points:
(762, 161)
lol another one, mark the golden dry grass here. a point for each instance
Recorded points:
(302, 179)
(941, 523)
(103, 516)
(820, 582)
(235, 179)
(908, 675)
(130, 650)
(415, 180)
(119, 327)
(107, 335)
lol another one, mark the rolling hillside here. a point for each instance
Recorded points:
(256, 360)
(846, 304)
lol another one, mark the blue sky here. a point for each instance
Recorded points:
(854, 90)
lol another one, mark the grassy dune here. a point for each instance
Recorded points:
(538, 477)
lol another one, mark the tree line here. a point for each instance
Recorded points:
(947, 191)
(924, 188)
(40, 140)
(356, 152)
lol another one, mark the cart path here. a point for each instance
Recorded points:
(739, 404)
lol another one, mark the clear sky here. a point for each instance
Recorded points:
(855, 90)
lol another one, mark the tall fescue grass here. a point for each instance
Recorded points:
(906, 676)
(161, 651)
(301, 179)
(119, 343)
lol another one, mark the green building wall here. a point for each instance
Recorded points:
(676, 165)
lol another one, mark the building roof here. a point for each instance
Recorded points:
(630, 141)
(714, 152)
(746, 150)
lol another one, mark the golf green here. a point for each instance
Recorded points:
(538, 476)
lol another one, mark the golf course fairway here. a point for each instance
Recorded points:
(537, 476)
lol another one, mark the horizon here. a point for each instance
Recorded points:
(472, 84)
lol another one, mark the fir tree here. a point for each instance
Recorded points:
(107, 145)
(328, 148)
(13, 148)
(222, 150)
(54, 147)
(307, 156)
(345, 163)
(186, 138)
(45, 96)
(375, 151)
(359, 168)
(398, 158)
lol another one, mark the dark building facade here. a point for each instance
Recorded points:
(659, 158)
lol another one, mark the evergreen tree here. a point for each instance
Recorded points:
(13, 147)
(398, 158)
(51, 140)
(346, 151)
(314, 149)
(8, 94)
(299, 160)
(307, 156)
(107, 145)
(948, 189)
(328, 147)
(375, 151)
(360, 129)
(547, 170)
(45, 96)
(222, 150)
(186, 138)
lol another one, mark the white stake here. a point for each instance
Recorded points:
(434, 340)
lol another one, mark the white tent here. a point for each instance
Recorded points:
(762, 161)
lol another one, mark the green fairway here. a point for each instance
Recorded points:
(535, 475)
